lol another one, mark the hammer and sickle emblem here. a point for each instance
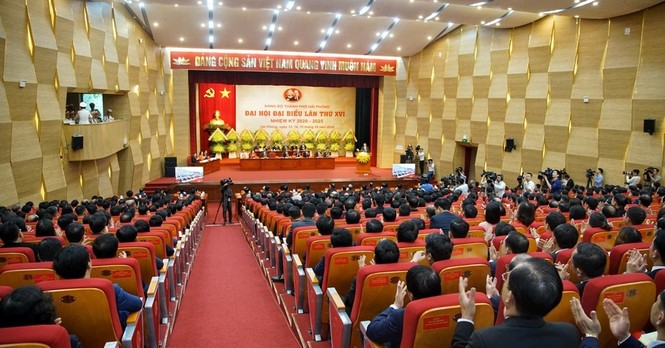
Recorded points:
(210, 93)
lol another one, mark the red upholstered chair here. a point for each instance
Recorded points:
(144, 253)
(422, 234)
(619, 256)
(431, 322)
(564, 255)
(407, 250)
(5, 290)
(299, 240)
(476, 231)
(372, 239)
(562, 312)
(660, 281)
(157, 240)
(88, 310)
(54, 336)
(29, 273)
(476, 269)
(355, 229)
(124, 272)
(16, 255)
(636, 291)
(503, 262)
(375, 291)
(500, 247)
(390, 226)
(317, 246)
(341, 265)
(647, 232)
(469, 247)
(605, 239)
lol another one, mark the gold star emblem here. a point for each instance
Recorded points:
(225, 93)
(387, 68)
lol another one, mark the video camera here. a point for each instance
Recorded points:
(548, 173)
(590, 173)
(648, 173)
(226, 182)
(490, 177)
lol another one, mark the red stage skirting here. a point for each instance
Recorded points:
(343, 174)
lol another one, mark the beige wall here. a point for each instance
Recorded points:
(60, 46)
(528, 83)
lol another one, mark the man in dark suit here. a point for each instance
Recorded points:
(421, 282)
(443, 215)
(341, 237)
(12, 237)
(308, 211)
(531, 290)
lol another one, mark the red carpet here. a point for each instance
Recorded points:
(228, 302)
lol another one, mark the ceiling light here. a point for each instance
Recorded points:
(264, 27)
(391, 35)
(371, 13)
(279, 28)
(577, 16)
(176, 5)
(411, 0)
(296, 43)
(323, 31)
(353, 11)
(240, 40)
(420, 17)
(498, 24)
(272, 27)
(268, 41)
(436, 18)
(348, 45)
(399, 48)
(595, 3)
(211, 39)
(322, 45)
(211, 24)
(374, 46)
(141, 4)
(298, 8)
(363, 10)
(279, 7)
(244, 8)
(429, 38)
(510, 8)
(577, 1)
(482, 22)
(540, 14)
(203, 25)
(155, 24)
(337, 31)
(308, 12)
(199, 2)
(182, 39)
(220, 3)
(219, 25)
(378, 34)
(210, 5)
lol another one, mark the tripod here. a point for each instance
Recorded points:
(225, 205)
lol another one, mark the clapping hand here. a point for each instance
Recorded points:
(589, 326)
(548, 246)
(490, 286)
(361, 261)
(467, 299)
(399, 294)
(418, 256)
(636, 262)
(562, 269)
(619, 319)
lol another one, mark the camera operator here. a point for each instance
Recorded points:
(632, 178)
(556, 186)
(463, 188)
(598, 179)
(499, 186)
(227, 196)
(421, 158)
(529, 185)
(652, 176)
(409, 154)
(459, 172)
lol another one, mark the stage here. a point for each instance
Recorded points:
(319, 179)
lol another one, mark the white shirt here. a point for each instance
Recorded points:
(83, 116)
(464, 188)
(421, 155)
(499, 188)
(632, 181)
(529, 186)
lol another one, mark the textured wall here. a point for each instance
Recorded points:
(61, 46)
(529, 83)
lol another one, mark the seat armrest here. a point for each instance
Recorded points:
(367, 343)
(315, 299)
(132, 337)
(340, 323)
(299, 284)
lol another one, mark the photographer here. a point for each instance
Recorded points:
(529, 185)
(421, 158)
(459, 172)
(499, 186)
(463, 188)
(556, 186)
(598, 179)
(632, 178)
(227, 196)
(409, 154)
(652, 176)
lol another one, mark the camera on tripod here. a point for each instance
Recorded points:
(226, 182)
(590, 173)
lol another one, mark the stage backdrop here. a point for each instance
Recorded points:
(299, 108)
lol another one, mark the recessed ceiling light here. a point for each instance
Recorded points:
(577, 16)
(219, 25)
(479, 7)
(240, 40)
(391, 35)
(203, 25)
(510, 8)
(429, 38)
(323, 31)
(298, 8)
(176, 5)
(577, 1)
(155, 24)
(308, 12)
(411, 0)
(371, 13)
(279, 28)
(348, 45)
(595, 3)
(264, 27)
(420, 17)
(436, 18)
(337, 31)
(244, 8)
(296, 42)
(540, 14)
(220, 3)
(482, 22)
(279, 7)
(498, 24)
(353, 11)
(378, 34)
(182, 39)
(399, 48)
(199, 2)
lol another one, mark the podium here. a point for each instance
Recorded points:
(362, 163)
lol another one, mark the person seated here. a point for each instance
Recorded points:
(75, 233)
(352, 217)
(157, 221)
(588, 262)
(636, 262)
(635, 216)
(98, 223)
(438, 247)
(385, 252)
(407, 232)
(421, 282)
(458, 228)
(12, 237)
(530, 291)
(47, 248)
(341, 237)
(73, 262)
(389, 214)
(404, 210)
(564, 237)
(129, 233)
(373, 226)
(29, 305)
(308, 211)
(45, 228)
(443, 215)
(628, 234)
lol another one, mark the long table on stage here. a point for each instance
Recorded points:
(209, 166)
(287, 163)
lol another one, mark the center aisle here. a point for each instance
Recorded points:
(228, 302)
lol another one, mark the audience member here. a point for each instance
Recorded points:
(47, 248)
(341, 237)
(589, 262)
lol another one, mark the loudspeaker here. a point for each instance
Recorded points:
(170, 161)
(649, 125)
(169, 172)
(510, 145)
(77, 142)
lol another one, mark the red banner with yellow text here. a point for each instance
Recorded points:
(279, 62)
(215, 97)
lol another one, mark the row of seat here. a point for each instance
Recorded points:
(84, 304)
(377, 283)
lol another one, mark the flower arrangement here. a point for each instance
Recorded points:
(335, 136)
(293, 137)
(246, 136)
(232, 147)
(277, 138)
(246, 146)
(232, 135)
(321, 146)
(363, 157)
(260, 137)
(217, 148)
(349, 147)
(334, 147)
(308, 138)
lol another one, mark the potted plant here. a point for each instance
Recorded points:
(218, 149)
(334, 149)
(321, 140)
(277, 138)
(232, 143)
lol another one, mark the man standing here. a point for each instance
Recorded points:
(421, 159)
(499, 186)
(598, 179)
(529, 185)
(227, 196)
(83, 115)
(443, 215)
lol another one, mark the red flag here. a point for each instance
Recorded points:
(216, 97)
